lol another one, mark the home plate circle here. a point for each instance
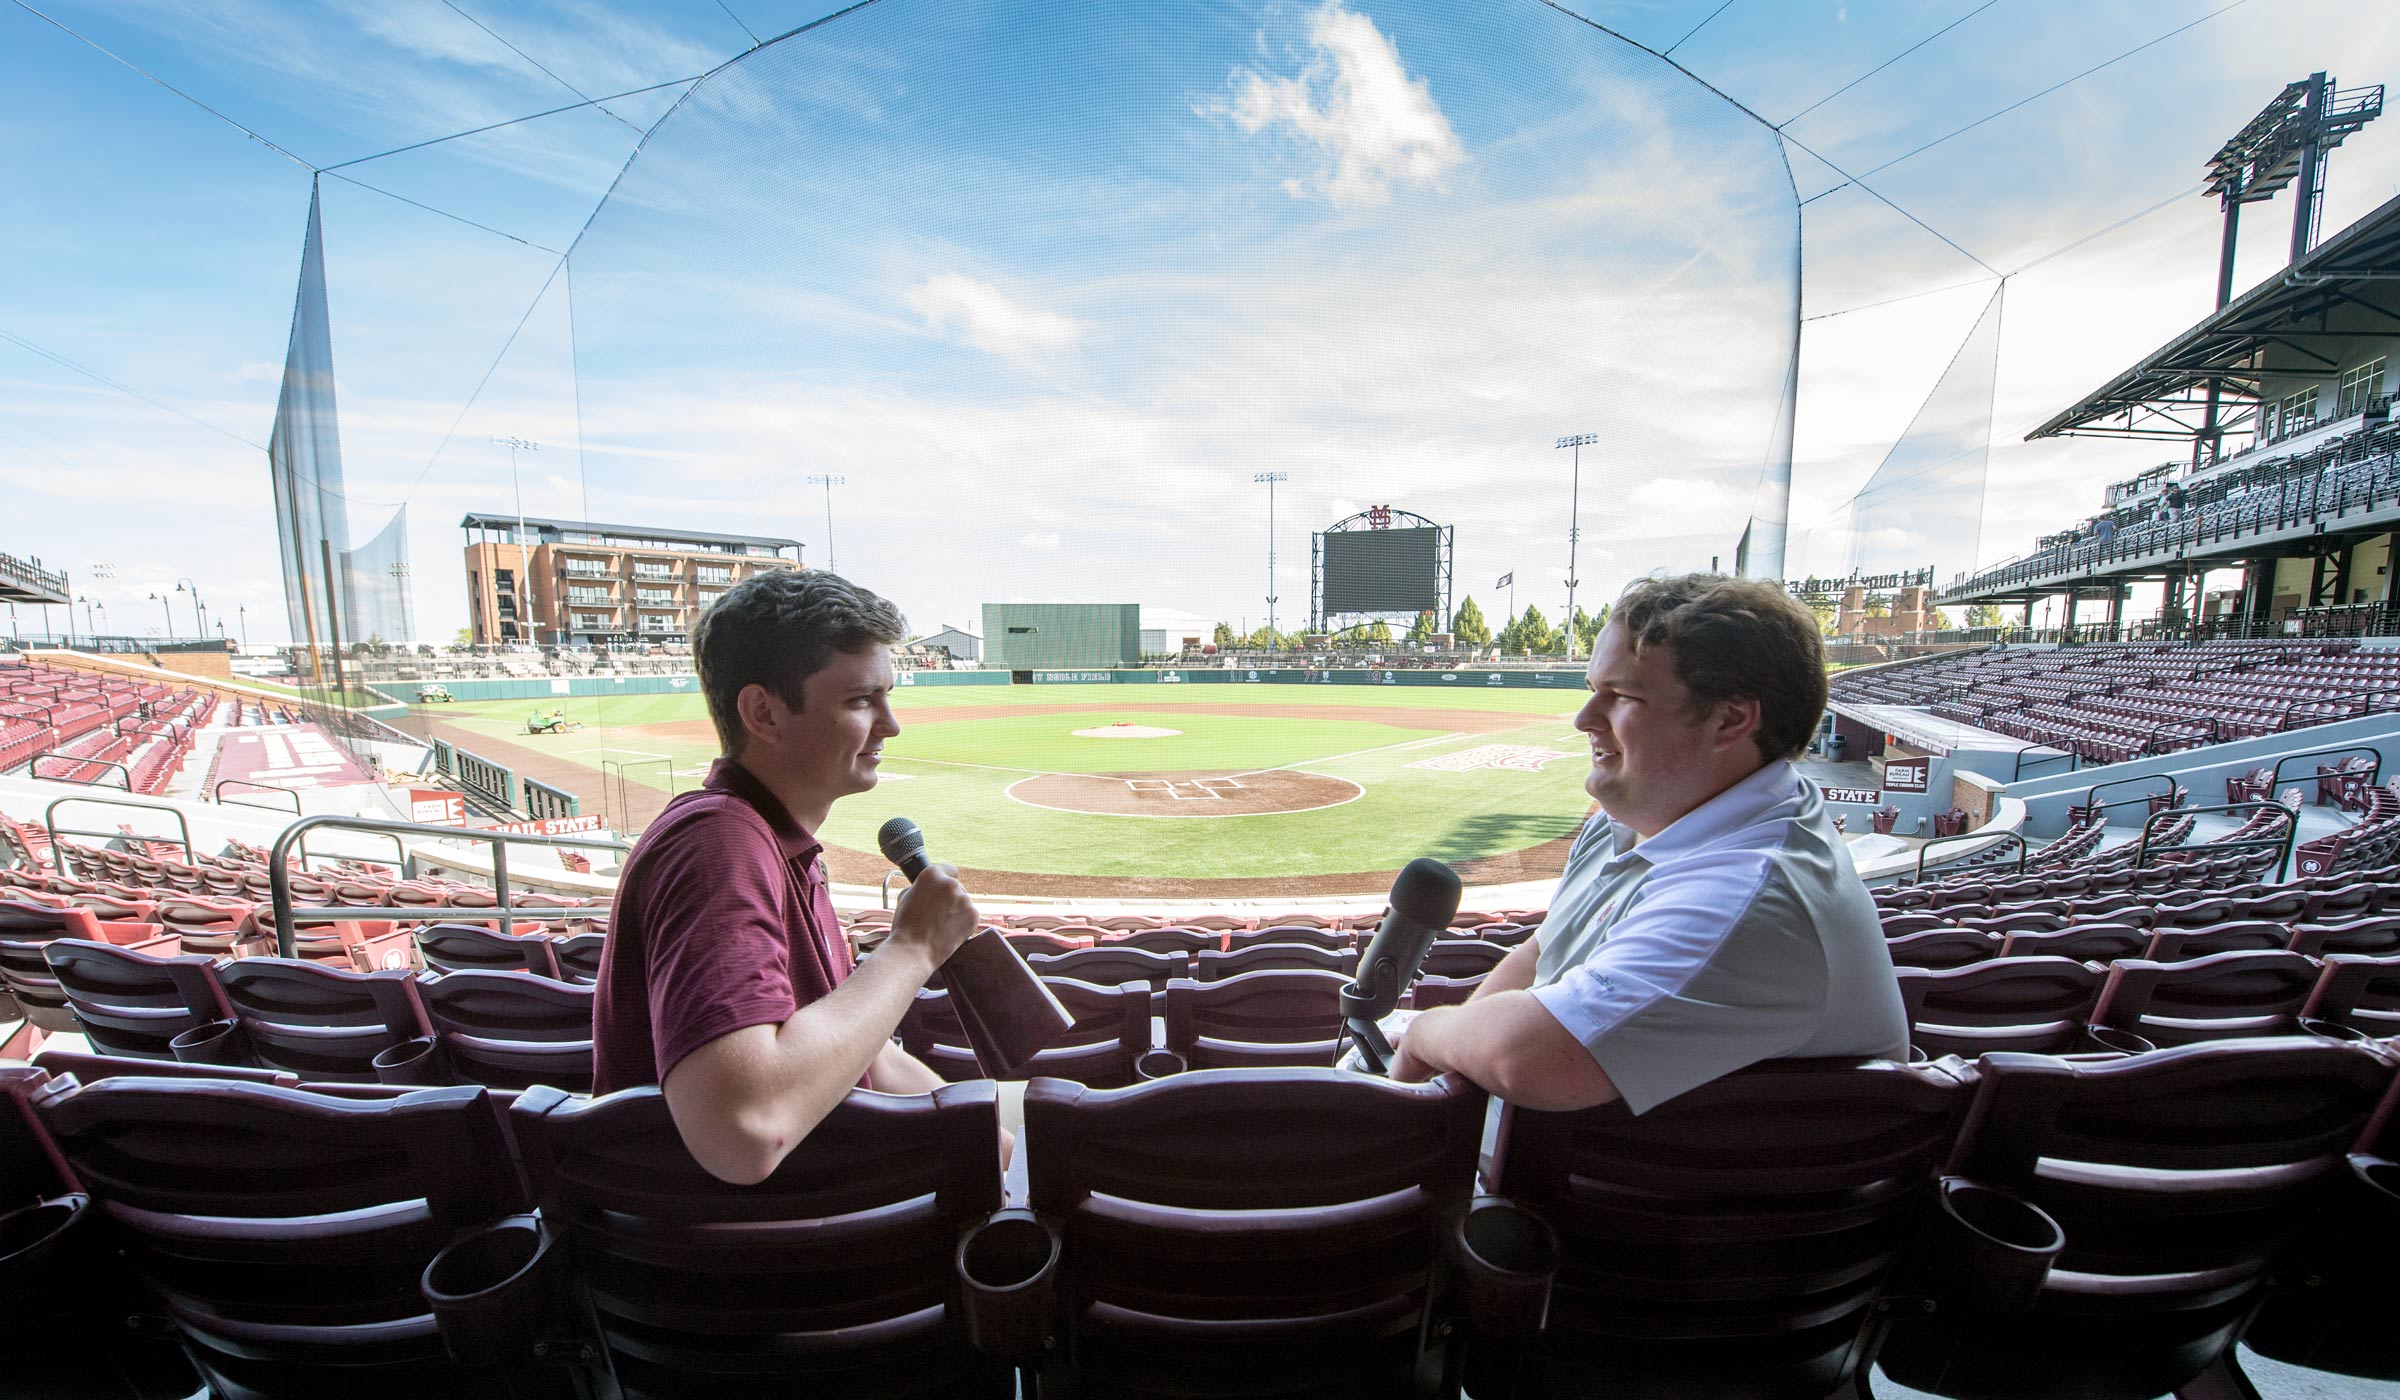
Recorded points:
(1125, 729)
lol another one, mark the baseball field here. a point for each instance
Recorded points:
(1135, 791)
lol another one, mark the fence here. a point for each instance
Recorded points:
(479, 777)
(543, 801)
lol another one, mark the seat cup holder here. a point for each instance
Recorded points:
(38, 1255)
(1008, 1285)
(211, 1043)
(1990, 1251)
(1158, 1064)
(418, 1063)
(1502, 1262)
(2115, 1040)
(494, 1293)
(2335, 1031)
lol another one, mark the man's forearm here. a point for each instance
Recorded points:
(1511, 1047)
(1513, 973)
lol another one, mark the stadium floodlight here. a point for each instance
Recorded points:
(1577, 442)
(525, 630)
(1269, 479)
(158, 598)
(199, 616)
(828, 482)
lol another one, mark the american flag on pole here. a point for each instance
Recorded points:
(1506, 579)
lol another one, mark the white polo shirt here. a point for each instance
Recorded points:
(1740, 933)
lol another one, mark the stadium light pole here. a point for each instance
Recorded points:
(199, 619)
(1578, 442)
(163, 611)
(828, 482)
(1270, 478)
(524, 560)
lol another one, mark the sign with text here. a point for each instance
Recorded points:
(1864, 796)
(1907, 775)
(551, 826)
(435, 807)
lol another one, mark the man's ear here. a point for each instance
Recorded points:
(762, 715)
(1737, 722)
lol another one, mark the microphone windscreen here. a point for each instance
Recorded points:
(903, 845)
(1426, 892)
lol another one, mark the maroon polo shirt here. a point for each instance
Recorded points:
(722, 920)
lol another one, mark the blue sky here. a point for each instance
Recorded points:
(1047, 287)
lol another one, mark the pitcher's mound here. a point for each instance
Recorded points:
(1189, 794)
(1127, 730)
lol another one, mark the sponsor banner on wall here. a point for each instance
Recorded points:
(550, 826)
(1865, 796)
(1907, 775)
(435, 807)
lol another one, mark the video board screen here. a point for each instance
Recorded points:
(1383, 570)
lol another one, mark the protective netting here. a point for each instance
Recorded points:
(304, 455)
(1923, 506)
(376, 579)
(1050, 289)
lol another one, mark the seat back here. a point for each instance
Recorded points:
(470, 947)
(2220, 997)
(1111, 1030)
(512, 1030)
(129, 1003)
(1110, 965)
(284, 1231)
(2176, 1177)
(1942, 947)
(1461, 957)
(2099, 943)
(831, 1277)
(2375, 935)
(1288, 934)
(2037, 1004)
(2362, 993)
(320, 1022)
(1732, 1240)
(579, 956)
(1227, 1230)
(1257, 1018)
(2232, 936)
(1272, 957)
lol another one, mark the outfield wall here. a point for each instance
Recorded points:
(589, 686)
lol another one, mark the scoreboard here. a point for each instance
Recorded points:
(1383, 571)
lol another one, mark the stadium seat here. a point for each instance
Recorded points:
(1225, 1235)
(2232, 936)
(835, 1276)
(285, 1233)
(472, 947)
(1900, 925)
(132, 1004)
(2174, 1177)
(2361, 993)
(2097, 942)
(1180, 943)
(2220, 997)
(507, 1030)
(1211, 966)
(2330, 1310)
(2041, 1005)
(1258, 1018)
(1316, 936)
(1732, 1242)
(1111, 965)
(1462, 957)
(578, 956)
(319, 1022)
(1943, 947)
(2376, 935)
(1110, 1034)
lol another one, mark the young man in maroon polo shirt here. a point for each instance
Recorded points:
(726, 978)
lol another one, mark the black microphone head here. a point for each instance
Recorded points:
(1426, 892)
(901, 842)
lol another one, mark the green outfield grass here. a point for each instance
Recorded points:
(952, 775)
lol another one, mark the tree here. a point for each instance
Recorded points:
(1421, 631)
(1223, 640)
(1827, 614)
(1879, 605)
(1535, 636)
(1587, 630)
(464, 639)
(1986, 615)
(1380, 634)
(1468, 626)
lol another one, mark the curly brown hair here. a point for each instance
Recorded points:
(1735, 639)
(777, 629)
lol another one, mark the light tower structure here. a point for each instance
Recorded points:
(1269, 479)
(1576, 442)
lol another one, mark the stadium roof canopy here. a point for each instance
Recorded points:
(2227, 348)
(645, 532)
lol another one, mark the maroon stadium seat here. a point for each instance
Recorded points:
(1110, 1033)
(1258, 1018)
(579, 956)
(1732, 1242)
(319, 1022)
(1265, 957)
(1248, 1232)
(2220, 997)
(508, 1030)
(2085, 942)
(2232, 936)
(472, 947)
(833, 1277)
(132, 1004)
(2036, 1004)
(2175, 1178)
(1943, 947)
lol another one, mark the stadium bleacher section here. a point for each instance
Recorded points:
(68, 725)
(2108, 703)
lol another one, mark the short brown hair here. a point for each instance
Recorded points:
(777, 629)
(1735, 639)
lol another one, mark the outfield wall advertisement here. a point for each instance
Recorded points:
(589, 686)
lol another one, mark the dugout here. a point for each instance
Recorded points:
(1061, 636)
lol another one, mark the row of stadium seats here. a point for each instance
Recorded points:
(2024, 1226)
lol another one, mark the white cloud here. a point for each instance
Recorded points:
(1354, 109)
(979, 314)
(1044, 541)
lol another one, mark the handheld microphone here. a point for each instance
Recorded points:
(1424, 901)
(1006, 1012)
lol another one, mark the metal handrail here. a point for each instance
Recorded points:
(406, 862)
(2017, 837)
(2374, 772)
(2092, 793)
(217, 794)
(34, 762)
(2282, 845)
(279, 873)
(2074, 759)
(2216, 733)
(50, 824)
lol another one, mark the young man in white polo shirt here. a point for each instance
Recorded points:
(1709, 917)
